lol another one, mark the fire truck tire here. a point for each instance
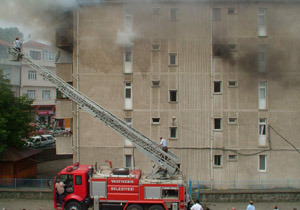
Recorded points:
(121, 171)
(156, 207)
(134, 207)
(74, 206)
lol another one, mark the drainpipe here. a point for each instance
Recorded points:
(77, 84)
(211, 107)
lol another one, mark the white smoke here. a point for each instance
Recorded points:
(126, 37)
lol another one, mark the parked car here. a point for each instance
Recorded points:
(41, 141)
(58, 131)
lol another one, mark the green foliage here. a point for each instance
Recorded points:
(15, 116)
(10, 34)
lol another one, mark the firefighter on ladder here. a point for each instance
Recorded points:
(17, 46)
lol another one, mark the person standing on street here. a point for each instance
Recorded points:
(59, 186)
(250, 206)
(197, 206)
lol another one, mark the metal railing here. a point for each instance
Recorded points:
(196, 187)
(18, 183)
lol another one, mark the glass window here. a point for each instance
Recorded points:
(218, 160)
(78, 180)
(36, 55)
(156, 120)
(173, 95)
(155, 83)
(173, 14)
(48, 56)
(262, 57)
(46, 94)
(32, 74)
(173, 132)
(217, 87)
(31, 94)
(232, 83)
(172, 58)
(128, 55)
(262, 163)
(128, 161)
(217, 123)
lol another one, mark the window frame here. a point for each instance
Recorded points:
(219, 162)
(155, 49)
(44, 94)
(235, 83)
(170, 96)
(232, 159)
(217, 129)
(32, 75)
(35, 54)
(262, 85)
(174, 129)
(265, 163)
(233, 9)
(157, 83)
(173, 14)
(216, 17)
(31, 92)
(232, 122)
(262, 58)
(126, 161)
(157, 122)
(220, 87)
(176, 59)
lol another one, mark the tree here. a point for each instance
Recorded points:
(15, 116)
(10, 34)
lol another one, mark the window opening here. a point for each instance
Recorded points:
(173, 95)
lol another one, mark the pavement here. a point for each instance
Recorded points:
(21, 204)
(50, 169)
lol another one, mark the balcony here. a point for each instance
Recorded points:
(64, 145)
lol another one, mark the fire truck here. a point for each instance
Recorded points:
(120, 188)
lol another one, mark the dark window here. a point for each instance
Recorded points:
(78, 180)
(217, 86)
(128, 93)
(128, 56)
(155, 46)
(218, 123)
(173, 59)
(155, 83)
(173, 132)
(155, 120)
(173, 95)
(232, 83)
(232, 157)
(218, 160)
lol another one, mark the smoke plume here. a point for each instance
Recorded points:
(126, 37)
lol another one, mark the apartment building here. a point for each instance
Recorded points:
(35, 86)
(11, 70)
(217, 79)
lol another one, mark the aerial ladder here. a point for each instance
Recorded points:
(164, 160)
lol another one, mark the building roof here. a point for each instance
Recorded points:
(5, 43)
(31, 43)
(11, 154)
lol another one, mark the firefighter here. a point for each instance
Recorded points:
(17, 44)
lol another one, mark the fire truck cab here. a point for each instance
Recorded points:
(118, 189)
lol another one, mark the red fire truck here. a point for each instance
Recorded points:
(119, 189)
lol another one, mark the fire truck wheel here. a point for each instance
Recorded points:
(156, 207)
(134, 207)
(74, 206)
(121, 171)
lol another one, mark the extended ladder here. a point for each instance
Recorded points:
(145, 145)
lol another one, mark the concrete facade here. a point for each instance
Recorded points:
(233, 68)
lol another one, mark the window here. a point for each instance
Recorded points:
(218, 123)
(216, 14)
(217, 87)
(232, 120)
(173, 95)
(48, 56)
(218, 160)
(232, 83)
(262, 22)
(262, 163)
(155, 120)
(172, 59)
(155, 11)
(155, 47)
(232, 157)
(128, 121)
(262, 58)
(36, 55)
(128, 96)
(128, 21)
(173, 14)
(231, 11)
(173, 132)
(31, 94)
(32, 74)
(46, 94)
(262, 95)
(155, 83)
(262, 132)
(128, 161)
(128, 60)
(6, 74)
(78, 180)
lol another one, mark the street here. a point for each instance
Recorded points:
(20, 204)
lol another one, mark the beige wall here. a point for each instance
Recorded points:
(101, 78)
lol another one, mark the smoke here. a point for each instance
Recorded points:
(41, 17)
(221, 49)
(125, 38)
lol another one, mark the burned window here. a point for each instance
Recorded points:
(170, 193)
